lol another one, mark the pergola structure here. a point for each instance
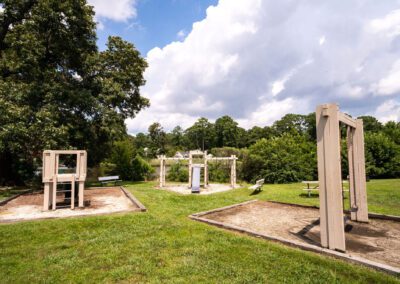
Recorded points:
(329, 174)
(51, 176)
(205, 159)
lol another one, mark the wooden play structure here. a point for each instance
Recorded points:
(51, 176)
(205, 158)
(329, 174)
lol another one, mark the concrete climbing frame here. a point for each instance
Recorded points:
(51, 176)
(205, 159)
(328, 118)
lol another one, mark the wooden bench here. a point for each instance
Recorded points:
(258, 185)
(314, 185)
(105, 180)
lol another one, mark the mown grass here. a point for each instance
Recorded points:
(164, 246)
(383, 195)
(6, 192)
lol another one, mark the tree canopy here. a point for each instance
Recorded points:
(57, 90)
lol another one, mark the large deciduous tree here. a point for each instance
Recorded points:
(226, 131)
(56, 89)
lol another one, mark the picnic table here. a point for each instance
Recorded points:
(314, 185)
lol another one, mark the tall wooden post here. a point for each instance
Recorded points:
(233, 171)
(350, 158)
(162, 168)
(190, 170)
(330, 180)
(205, 170)
(361, 213)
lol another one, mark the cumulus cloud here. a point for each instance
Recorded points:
(391, 83)
(119, 11)
(256, 60)
(388, 110)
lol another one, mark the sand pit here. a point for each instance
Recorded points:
(378, 240)
(97, 201)
(212, 188)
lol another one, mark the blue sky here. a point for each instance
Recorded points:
(157, 23)
(257, 60)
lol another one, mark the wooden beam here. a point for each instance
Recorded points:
(347, 120)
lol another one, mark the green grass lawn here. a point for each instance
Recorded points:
(383, 195)
(164, 246)
(10, 191)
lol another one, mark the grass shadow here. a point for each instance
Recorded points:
(255, 192)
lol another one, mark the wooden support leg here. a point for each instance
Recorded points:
(54, 202)
(164, 172)
(73, 193)
(46, 199)
(205, 172)
(161, 173)
(190, 173)
(350, 157)
(329, 175)
(81, 190)
(359, 174)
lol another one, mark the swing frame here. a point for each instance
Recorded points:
(328, 118)
(206, 158)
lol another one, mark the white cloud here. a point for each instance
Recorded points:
(268, 112)
(388, 110)
(256, 60)
(278, 86)
(389, 25)
(119, 11)
(321, 40)
(391, 83)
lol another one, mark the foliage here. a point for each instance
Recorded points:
(291, 161)
(141, 169)
(121, 156)
(107, 169)
(226, 152)
(178, 172)
(57, 91)
(226, 132)
(382, 156)
(287, 158)
(219, 171)
(157, 139)
(201, 135)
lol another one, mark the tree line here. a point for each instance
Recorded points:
(282, 152)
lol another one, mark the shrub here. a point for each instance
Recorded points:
(287, 158)
(382, 156)
(219, 172)
(178, 172)
(141, 169)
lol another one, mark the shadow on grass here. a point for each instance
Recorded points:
(306, 195)
(255, 192)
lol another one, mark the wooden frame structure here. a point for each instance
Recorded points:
(328, 118)
(51, 176)
(206, 158)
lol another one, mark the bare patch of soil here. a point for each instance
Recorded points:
(378, 240)
(97, 201)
